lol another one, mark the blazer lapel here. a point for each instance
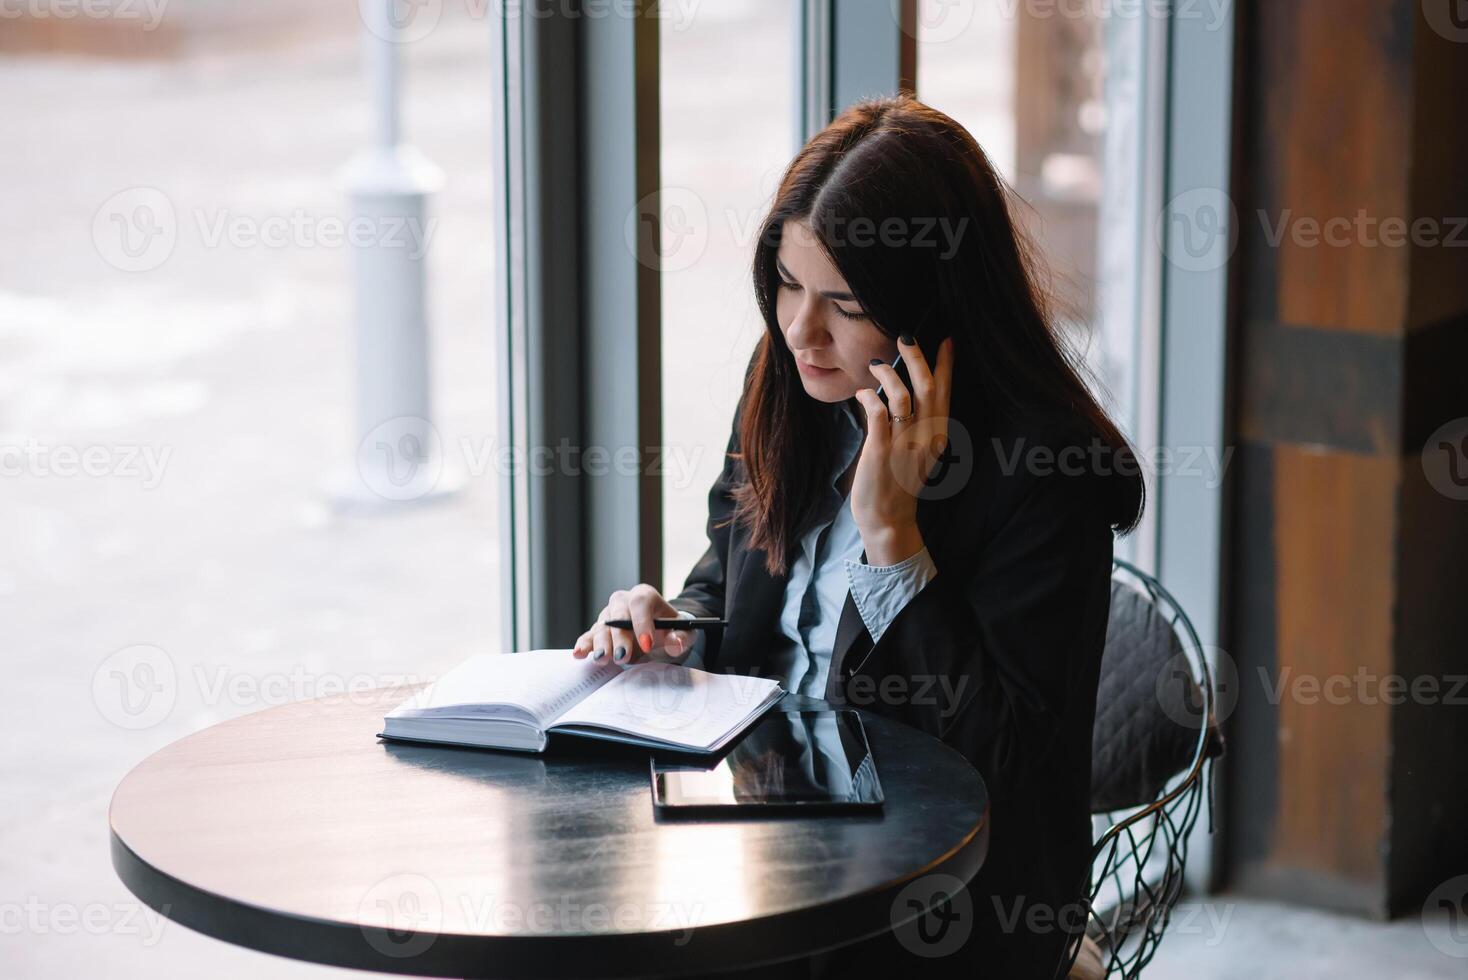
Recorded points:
(853, 642)
(753, 603)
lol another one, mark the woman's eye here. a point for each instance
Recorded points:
(785, 284)
(851, 316)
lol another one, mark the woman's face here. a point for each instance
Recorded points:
(826, 329)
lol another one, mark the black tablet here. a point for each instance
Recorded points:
(790, 760)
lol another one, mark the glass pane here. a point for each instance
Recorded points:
(1056, 94)
(728, 118)
(182, 530)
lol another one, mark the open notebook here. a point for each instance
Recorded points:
(513, 701)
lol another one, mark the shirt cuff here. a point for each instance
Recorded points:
(881, 591)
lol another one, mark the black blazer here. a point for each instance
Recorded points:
(1013, 625)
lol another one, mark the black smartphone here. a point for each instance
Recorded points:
(900, 366)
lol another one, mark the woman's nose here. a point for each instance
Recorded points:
(806, 330)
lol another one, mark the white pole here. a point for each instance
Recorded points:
(399, 453)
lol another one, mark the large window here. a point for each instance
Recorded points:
(728, 114)
(1066, 100)
(185, 534)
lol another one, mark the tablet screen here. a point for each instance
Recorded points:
(789, 759)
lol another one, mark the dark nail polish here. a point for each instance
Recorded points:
(620, 655)
(876, 361)
(599, 655)
(907, 339)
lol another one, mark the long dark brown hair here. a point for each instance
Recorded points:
(917, 221)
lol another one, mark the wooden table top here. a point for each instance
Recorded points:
(296, 831)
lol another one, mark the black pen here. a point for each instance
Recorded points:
(698, 623)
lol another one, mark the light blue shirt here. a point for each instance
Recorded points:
(828, 566)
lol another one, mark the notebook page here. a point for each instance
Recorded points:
(543, 683)
(672, 703)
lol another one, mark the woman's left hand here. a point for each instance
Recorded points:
(898, 456)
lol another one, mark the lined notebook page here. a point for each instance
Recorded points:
(672, 703)
(542, 682)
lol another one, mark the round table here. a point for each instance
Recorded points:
(295, 831)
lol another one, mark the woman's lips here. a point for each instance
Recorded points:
(812, 370)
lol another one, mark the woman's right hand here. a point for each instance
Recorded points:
(642, 604)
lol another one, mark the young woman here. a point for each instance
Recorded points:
(952, 545)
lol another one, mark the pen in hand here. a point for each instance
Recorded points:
(698, 623)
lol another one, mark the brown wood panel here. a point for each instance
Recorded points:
(1337, 74)
(1334, 544)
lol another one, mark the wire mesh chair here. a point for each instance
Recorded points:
(1137, 866)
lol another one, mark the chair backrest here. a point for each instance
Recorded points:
(1155, 735)
(1148, 702)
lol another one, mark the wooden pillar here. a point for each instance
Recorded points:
(1348, 572)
